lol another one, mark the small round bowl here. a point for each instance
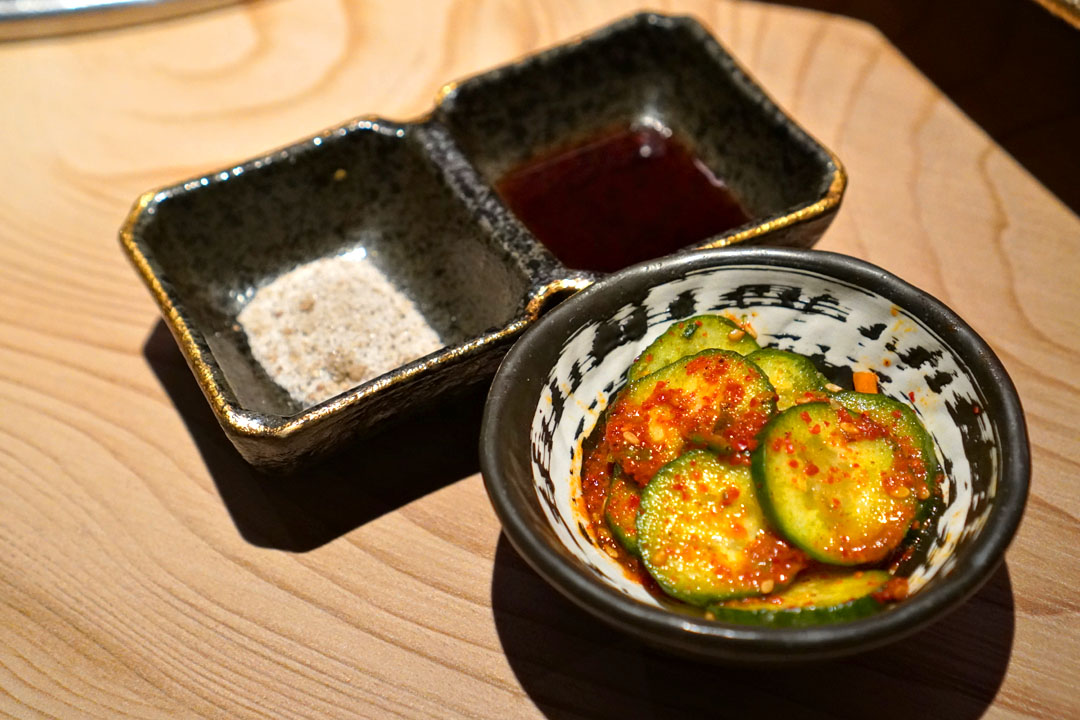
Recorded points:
(846, 314)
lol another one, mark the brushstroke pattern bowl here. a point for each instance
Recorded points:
(847, 316)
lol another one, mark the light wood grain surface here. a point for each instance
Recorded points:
(146, 572)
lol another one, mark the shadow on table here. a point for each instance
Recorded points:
(1008, 64)
(572, 665)
(310, 507)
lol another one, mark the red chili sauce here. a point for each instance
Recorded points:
(907, 476)
(701, 419)
(620, 198)
(908, 472)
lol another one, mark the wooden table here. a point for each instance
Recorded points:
(146, 572)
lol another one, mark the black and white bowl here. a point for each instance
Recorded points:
(846, 314)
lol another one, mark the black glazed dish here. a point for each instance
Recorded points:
(657, 72)
(554, 383)
(418, 198)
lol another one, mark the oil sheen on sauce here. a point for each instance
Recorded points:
(620, 198)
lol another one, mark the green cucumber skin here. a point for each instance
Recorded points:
(757, 473)
(642, 458)
(788, 523)
(626, 536)
(799, 617)
(880, 408)
(779, 365)
(824, 596)
(682, 339)
(662, 523)
(808, 386)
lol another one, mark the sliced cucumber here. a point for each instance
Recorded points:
(823, 596)
(716, 399)
(793, 376)
(838, 489)
(620, 512)
(689, 337)
(703, 536)
(904, 426)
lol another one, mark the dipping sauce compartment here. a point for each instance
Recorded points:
(667, 78)
(417, 207)
(620, 198)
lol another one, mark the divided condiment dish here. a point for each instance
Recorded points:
(418, 200)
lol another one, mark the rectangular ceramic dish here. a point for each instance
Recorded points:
(418, 200)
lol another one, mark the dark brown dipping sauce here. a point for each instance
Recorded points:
(619, 199)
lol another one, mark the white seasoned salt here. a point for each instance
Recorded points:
(331, 324)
